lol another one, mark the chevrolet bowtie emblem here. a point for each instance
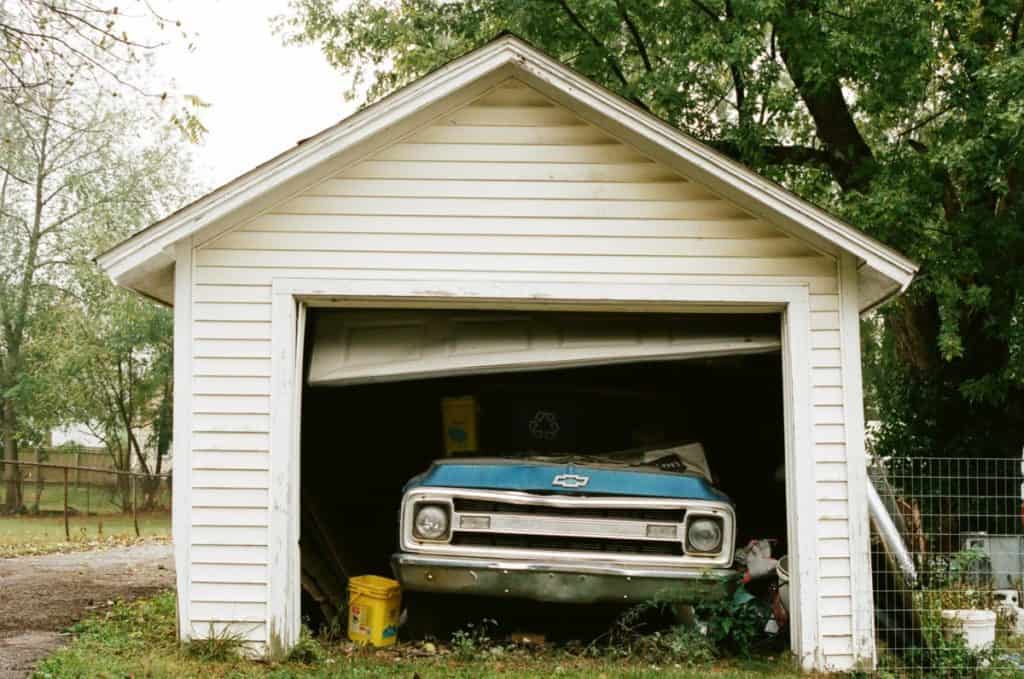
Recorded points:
(570, 481)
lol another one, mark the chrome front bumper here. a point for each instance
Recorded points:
(560, 582)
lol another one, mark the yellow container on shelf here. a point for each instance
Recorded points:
(374, 605)
(459, 416)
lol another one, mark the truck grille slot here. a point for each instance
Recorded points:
(468, 505)
(560, 543)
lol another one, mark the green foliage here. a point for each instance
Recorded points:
(680, 645)
(307, 650)
(139, 639)
(947, 654)
(79, 172)
(474, 639)
(219, 645)
(125, 630)
(730, 626)
(904, 117)
(735, 623)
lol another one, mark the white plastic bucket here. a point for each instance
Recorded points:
(977, 628)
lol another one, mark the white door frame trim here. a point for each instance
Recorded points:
(292, 295)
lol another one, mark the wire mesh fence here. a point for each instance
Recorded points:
(947, 585)
(42, 501)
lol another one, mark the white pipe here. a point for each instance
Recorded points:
(890, 534)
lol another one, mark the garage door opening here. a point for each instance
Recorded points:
(542, 384)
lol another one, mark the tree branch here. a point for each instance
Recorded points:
(707, 10)
(783, 155)
(737, 75)
(612, 63)
(851, 160)
(1015, 27)
(635, 33)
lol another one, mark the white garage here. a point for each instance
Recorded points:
(501, 215)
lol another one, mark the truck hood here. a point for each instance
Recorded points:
(575, 477)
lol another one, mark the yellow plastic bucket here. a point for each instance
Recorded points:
(374, 604)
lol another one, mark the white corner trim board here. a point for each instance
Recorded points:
(182, 430)
(292, 295)
(856, 461)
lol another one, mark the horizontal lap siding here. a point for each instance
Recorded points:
(509, 187)
(836, 602)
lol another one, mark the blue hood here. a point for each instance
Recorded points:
(537, 476)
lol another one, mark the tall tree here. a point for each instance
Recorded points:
(97, 43)
(73, 178)
(905, 117)
(113, 358)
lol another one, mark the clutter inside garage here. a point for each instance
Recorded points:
(363, 441)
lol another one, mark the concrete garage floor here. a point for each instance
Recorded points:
(40, 596)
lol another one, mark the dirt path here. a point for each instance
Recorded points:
(42, 595)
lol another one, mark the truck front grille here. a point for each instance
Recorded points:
(474, 506)
(560, 543)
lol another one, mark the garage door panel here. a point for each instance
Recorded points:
(363, 346)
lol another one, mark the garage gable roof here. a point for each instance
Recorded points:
(142, 261)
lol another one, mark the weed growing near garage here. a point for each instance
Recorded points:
(138, 639)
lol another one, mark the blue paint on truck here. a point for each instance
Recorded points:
(536, 476)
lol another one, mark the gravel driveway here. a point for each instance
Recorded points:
(42, 595)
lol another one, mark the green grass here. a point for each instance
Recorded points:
(28, 534)
(83, 499)
(138, 639)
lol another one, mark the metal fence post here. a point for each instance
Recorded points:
(67, 528)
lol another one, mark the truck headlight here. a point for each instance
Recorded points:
(430, 522)
(704, 535)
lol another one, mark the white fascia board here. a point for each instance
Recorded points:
(510, 56)
(135, 251)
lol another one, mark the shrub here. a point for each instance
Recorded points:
(735, 623)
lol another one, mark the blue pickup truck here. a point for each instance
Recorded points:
(580, 529)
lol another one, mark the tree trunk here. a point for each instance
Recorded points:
(12, 474)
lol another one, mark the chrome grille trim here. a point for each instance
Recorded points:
(538, 524)
(504, 523)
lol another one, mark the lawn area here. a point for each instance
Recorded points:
(138, 639)
(84, 498)
(28, 534)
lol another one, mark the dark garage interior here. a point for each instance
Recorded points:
(362, 443)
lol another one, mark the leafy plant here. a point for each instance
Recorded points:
(681, 644)
(473, 639)
(632, 635)
(307, 650)
(735, 623)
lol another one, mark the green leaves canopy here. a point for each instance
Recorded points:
(904, 117)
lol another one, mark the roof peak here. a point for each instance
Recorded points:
(506, 55)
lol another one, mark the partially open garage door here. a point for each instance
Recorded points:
(352, 347)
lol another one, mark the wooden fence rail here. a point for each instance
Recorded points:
(64, 471)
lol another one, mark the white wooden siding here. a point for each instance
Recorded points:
(511, 187)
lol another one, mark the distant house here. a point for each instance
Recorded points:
(502, 183)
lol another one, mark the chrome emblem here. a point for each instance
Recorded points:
(570, 481)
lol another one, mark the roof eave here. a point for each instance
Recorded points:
(121, 260)
(150, 248)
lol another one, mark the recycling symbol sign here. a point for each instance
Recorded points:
(544, 425)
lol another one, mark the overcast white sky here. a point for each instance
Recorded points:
(263, 96)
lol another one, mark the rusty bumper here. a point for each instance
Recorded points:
(560, 582)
